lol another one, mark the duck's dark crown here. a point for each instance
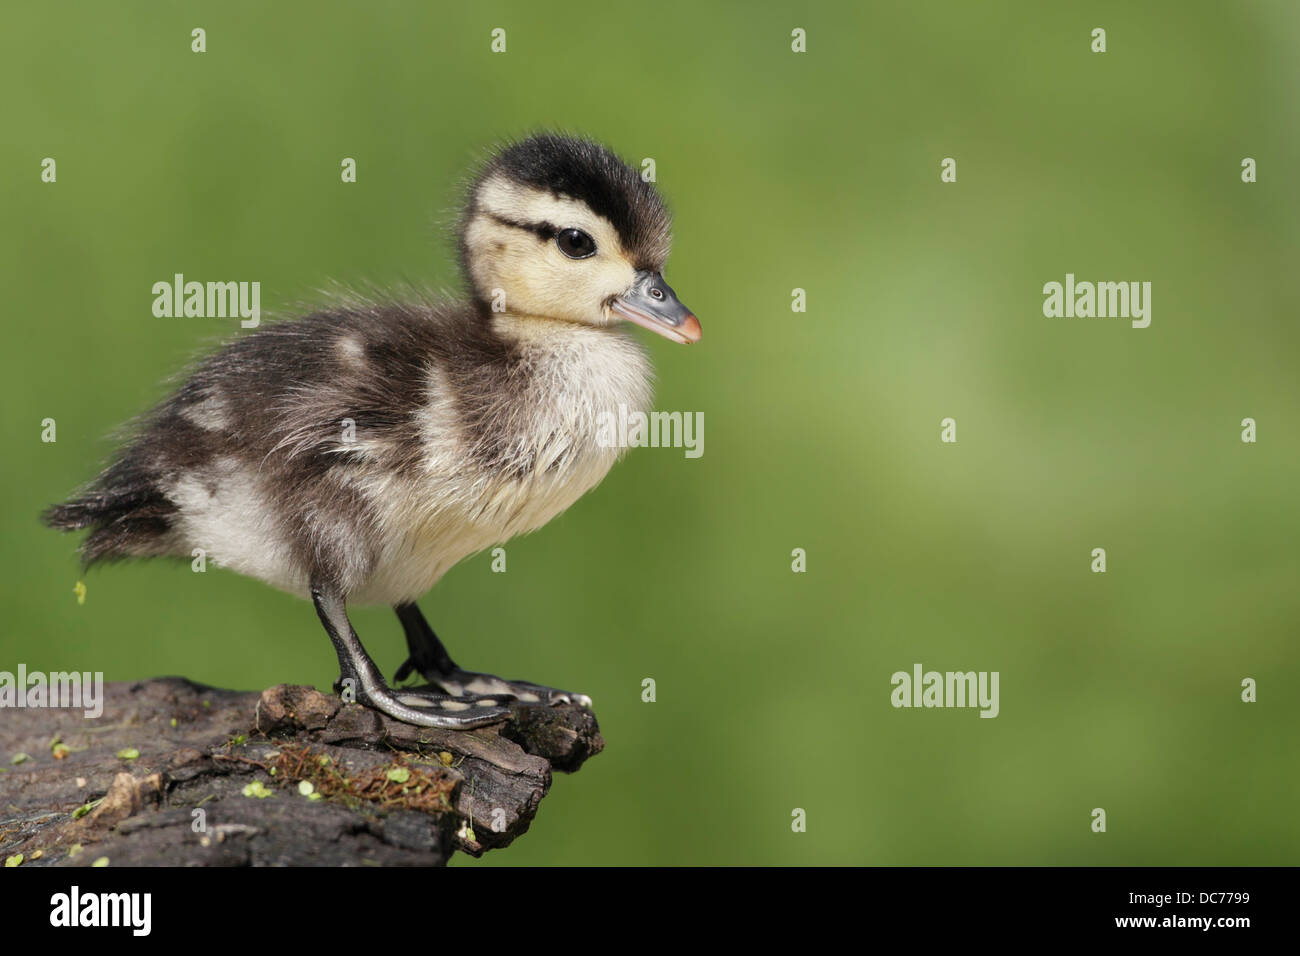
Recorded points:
(587, 171)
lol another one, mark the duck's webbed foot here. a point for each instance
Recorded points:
(424, 708)
(468, 685)
(429, 658)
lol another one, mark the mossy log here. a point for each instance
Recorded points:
(177, 774)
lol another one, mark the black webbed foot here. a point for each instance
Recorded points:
(429, 658)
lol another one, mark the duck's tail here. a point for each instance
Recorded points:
(127, 513)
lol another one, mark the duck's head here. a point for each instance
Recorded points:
(561, 228)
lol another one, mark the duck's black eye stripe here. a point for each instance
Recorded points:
(542, 230)
(590, 173)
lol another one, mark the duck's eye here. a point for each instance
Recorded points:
(575, 243)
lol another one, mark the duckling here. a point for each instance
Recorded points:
(353, 456)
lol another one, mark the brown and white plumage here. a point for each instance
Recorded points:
(355, 455)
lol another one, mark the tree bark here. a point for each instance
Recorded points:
(177, 774)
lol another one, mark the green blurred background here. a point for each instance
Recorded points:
(818, 171)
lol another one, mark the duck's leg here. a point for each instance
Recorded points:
(430, 659)
(422, 708)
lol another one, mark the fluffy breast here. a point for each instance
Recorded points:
(503, 450)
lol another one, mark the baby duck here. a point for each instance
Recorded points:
(355, 455)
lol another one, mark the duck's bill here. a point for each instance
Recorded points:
(652, 304)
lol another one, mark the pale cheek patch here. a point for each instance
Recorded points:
(536, 277)
(559, 288)
(615, 277)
